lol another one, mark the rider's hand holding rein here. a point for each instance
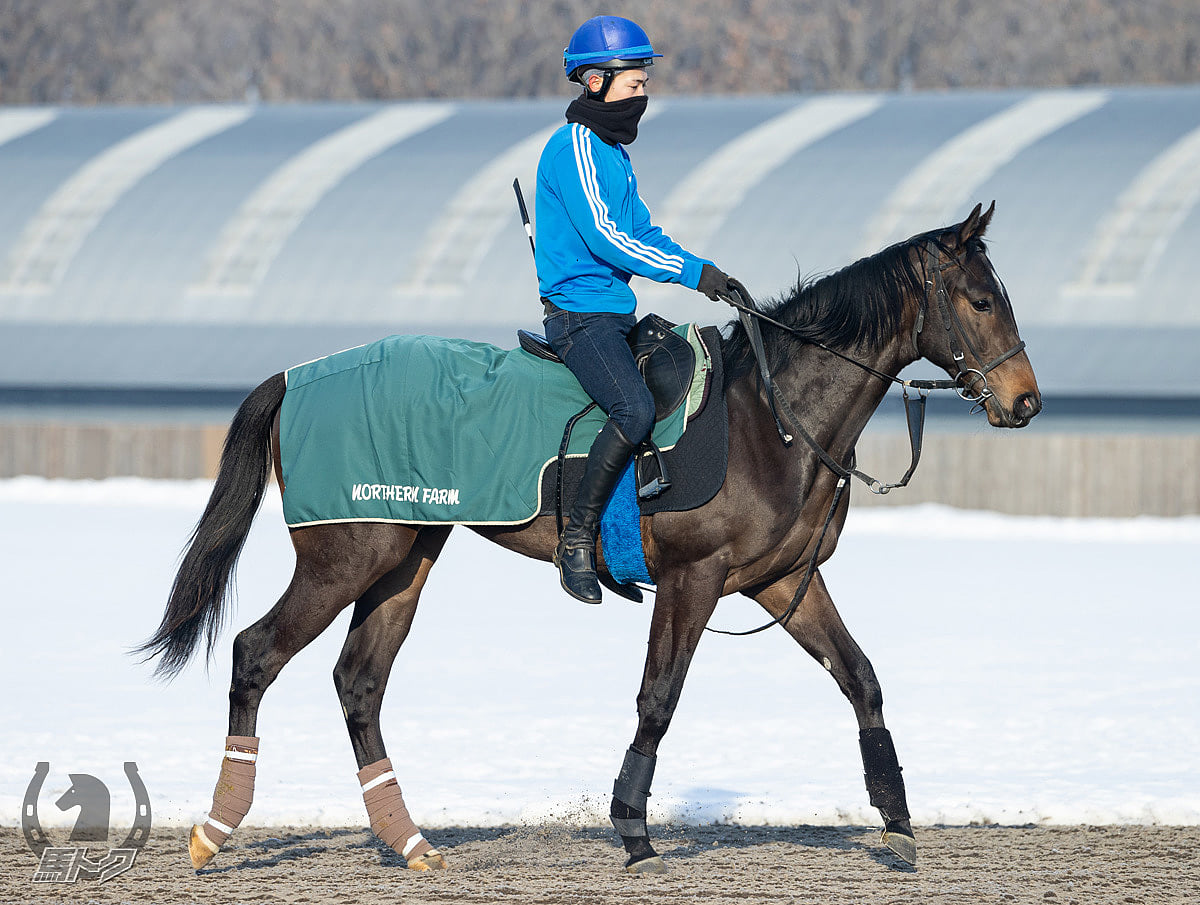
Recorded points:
(720, 286)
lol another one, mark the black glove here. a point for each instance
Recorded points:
(720, 286)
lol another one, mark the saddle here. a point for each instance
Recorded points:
(665, 359)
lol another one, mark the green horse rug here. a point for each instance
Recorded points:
(426, 430)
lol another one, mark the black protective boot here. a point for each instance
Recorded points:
(575, 555)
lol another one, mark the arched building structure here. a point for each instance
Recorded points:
(167, 255)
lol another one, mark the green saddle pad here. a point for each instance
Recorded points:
(428, 430)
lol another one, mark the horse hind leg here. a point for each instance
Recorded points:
(334, 565)
(818, 628)
(381, 621)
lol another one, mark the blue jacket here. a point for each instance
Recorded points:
(594, 232)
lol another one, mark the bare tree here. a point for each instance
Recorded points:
(167, 51)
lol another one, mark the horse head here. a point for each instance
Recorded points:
(968, 325)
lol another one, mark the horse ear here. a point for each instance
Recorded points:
(976, 223)
(986, 219)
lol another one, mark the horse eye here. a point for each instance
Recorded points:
(981, 304)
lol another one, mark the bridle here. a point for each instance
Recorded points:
(962, 383)
(965, 383)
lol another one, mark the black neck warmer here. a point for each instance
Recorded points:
(615, 122)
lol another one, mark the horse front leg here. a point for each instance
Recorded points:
(684, 600)
(819, 629)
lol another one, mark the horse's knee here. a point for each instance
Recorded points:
(872, 696)
(868, 694)
(655, 708)
(860, 685)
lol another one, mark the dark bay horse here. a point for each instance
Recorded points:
(831, 346)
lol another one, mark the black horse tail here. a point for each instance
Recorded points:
(196, 605)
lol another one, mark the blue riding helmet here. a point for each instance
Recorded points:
(607, 42)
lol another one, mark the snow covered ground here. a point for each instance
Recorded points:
(1034, 670)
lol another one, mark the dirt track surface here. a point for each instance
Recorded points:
(555, 864)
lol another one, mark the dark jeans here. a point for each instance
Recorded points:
(593, 346)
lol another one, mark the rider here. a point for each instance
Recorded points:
(594, 233)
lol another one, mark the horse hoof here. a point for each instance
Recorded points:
(653, 865)
(429, 861)
(903, 845)
(200, 848)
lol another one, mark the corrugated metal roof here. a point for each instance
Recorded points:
(207, 247)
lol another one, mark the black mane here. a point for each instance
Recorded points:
(859, 306)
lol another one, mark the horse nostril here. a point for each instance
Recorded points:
(1027, 405)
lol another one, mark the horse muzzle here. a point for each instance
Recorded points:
(1017, 414)
(1009, 394)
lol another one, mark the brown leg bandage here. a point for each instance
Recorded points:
(386, 810)
(235, 789)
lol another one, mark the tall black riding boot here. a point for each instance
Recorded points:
(576, 552)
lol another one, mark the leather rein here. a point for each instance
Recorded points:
(964, 383)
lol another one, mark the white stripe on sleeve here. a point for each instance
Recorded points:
(600, 215)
